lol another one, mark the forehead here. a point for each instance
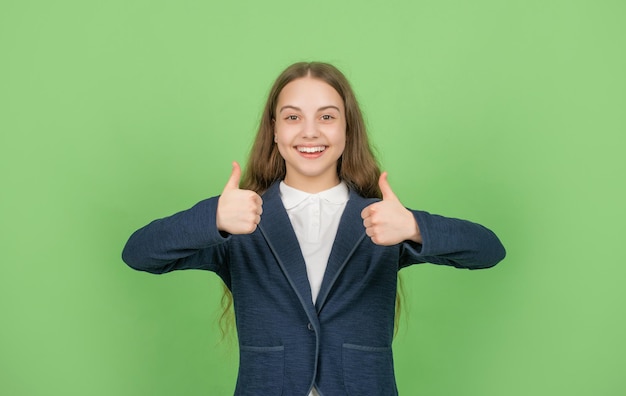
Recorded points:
(309, 92)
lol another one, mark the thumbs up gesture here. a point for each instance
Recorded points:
(238, 211)
(388, 222)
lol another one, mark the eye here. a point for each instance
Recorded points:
(291, 117)
(327, 117)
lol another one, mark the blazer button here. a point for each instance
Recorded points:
(309, 326)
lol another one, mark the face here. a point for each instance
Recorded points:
(310, 132)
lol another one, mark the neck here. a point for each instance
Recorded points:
(312, 185)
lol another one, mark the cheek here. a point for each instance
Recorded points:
(342, 147)
(284, 132)
(339, 137)
(282, 142)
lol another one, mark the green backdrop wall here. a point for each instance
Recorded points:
(508, 113)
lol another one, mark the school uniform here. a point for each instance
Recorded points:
(341, 343)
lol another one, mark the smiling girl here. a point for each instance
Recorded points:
(309, 245)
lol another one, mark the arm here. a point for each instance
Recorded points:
(195, 238)
(429, 238)
(188, 239)
(454, 242)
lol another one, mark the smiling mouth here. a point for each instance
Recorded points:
(311, 150)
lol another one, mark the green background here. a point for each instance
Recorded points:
(508, 113)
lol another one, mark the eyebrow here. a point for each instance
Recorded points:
(299, 109)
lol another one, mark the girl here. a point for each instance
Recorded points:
(310, 243)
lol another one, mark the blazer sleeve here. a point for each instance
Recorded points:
(454, 242)
(187, 240)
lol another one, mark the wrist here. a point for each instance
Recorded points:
(415, 234)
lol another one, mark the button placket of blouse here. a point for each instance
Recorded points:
(314, 211)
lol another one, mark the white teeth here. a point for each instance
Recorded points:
(317, 149)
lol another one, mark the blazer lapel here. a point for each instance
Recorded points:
(281, 238)
(349, 235)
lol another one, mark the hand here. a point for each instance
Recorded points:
(238, 211)
(388, 222)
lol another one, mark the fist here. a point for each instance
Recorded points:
(238, 211)
(388, 222)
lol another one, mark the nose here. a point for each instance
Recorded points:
(310, 130)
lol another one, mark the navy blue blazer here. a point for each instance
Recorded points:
(342, 343)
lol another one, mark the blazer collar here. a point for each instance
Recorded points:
(281, 238)
(349, 235)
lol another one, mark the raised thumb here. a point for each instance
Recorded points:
(235, 175)
(385, 188)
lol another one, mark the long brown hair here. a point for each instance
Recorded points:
(357, 166)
